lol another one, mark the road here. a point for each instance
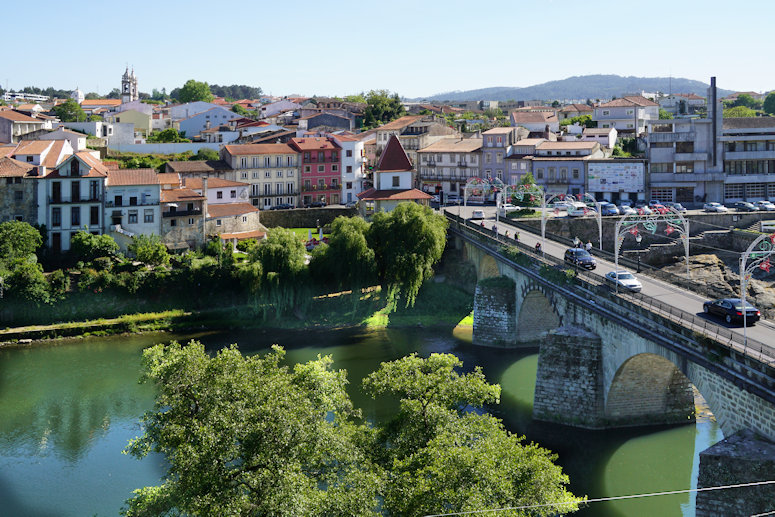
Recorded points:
(669, 294)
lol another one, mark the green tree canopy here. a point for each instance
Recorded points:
(347, 259)
(86, 246)
(149, 249)
(582, 120)
(194, 91)
(27, 283)
(70, 111)
(205, 154)
(382, 107)
(169, 135)
(747, 101)
(282, 258)
(18, 240)
(739, 111)
(665, 115)
(241, 110)
(407, 242)
(769, 103)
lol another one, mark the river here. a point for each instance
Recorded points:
(68, 408)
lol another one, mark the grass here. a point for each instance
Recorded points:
(304, 232)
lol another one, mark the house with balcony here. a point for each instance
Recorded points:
(354, 163)
(496, 146)
(560, 166)
(272, 170)
(71, 198)
(132, 204)
(14, 125)
(321, 173)
(446, 165)
(749, 158)
(182, 218)
(414, 133)
(219, 191)
(393, 180)
(536, 122)
(520, 160)
(629, 114)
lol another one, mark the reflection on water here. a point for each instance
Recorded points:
(67, 412)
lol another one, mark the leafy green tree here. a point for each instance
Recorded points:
(241, 110)
(205, 154)
(282, 257)
(149, 249)
(87, 247)
(27, 283)
(439, 455)
(665, 115)
(407, 242)
(18, 240)
(194, 91)
(92, 96)
(747, 101)
(247, 436)
(355, 98)
(347, 259)
(739, 111)
(582, 120)
(70, 111)
(169, 135)
(58, 285)
(115, 93)
(382, 107)
(769, 103)
(236, 91)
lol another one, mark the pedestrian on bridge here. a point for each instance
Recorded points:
(588, 247)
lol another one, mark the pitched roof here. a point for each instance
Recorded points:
(313, 144)
(247, 149)
(749, 122)
(101, 102)
(198, 166)
(453, 145)
(196, 183)
(394, 157)
(229, 209)
(179, 194)
(52, 159)
(122, 177)
(33, 147)
(169, 178)
(400, 122)
(576, 107)
(565, 146)
(629, 100)
(532, 117)
(14, 168)
(18, 117)
(251, 234)
(499, 131)
(597, 130)
(530, 141)
(393, 195)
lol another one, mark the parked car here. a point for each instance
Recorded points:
(714, 207)
(507, 208)
(315, 204)
(659, 208)
(281, 206)
(477, 214)
(744, 206)
(625, 202)
(624, 279)
(562, 205)
(452, 199)
(765, 205)
(581, 258)
(627, 210)
(643, 210)
(608, 209)
(579, 209)
(351, 204)
(678, 207)
(731, 309)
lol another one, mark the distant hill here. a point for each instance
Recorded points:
(580, 87)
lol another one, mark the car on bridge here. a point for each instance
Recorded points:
(581, 258)
(731, 309)
(714, 207)
(507, 208)
(623, 280)
(744, 206)
(765, 206)
(477, 214)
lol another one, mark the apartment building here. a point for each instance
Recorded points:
(560, 167)
(629, 115)
(132, 204)
(496, 145)
(354, 163)
(446, 165)
(272, 170)
(414, 133)
(321, 169)
(749, 158)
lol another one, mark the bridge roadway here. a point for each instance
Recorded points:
(762, 333)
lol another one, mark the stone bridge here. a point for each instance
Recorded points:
(605, 362)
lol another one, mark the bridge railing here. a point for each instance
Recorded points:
(659, 312)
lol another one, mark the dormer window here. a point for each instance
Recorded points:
(29, 159)
(74, 168)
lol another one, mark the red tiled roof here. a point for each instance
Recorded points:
(169, 178)
(52, 158)
(394, 157)
(198, 166)
(196, 183)
(18, 117)
(101, 102)
(246, 149)
(576, 107)
(96, 168)
(400, 123)
(120, 177)
(313, 144)
(33, 147)
(252, 234)
(630, 100)
(229, 209)
(179, 194)
(393, 195)
(528, 117)
(14, 168)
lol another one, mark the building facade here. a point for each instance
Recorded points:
(132, 204)
(271, 170)
(496, 146)
(629, 115)
(446, 165)
(321, 173)
(354, 163)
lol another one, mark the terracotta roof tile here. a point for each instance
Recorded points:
(196, 183)
(454, 145)
(400, 123)
(394, 157)
(313, 144)
(251, 234)
(14, 168)
(630, 100)
(120, 177)
(248, 149)
(18, 117)
(198, 166)
(33, 147)
(101, 102)
(576, 107)
(180, 194)
(532, 117)
(393, 195)
(229, 209)
(169, 178)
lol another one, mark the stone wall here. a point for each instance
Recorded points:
(18, 198)
(494, 322)
(569, 381)
(741, 458)
(304, 217)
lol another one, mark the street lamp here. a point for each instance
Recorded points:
(638, 238)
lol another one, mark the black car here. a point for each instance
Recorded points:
(281, 206)
(315, 204)
(743, 206)
(580, 257)
(731, 309)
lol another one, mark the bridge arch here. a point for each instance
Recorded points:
(649, 389)
(487, 267)
(536, 315)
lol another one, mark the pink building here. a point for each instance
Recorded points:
(321, 169)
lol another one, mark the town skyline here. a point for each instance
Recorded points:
(417, 60)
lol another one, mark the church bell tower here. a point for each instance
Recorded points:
(129, 91)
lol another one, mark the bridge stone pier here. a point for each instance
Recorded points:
(604, 364)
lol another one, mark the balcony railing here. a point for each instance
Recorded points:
(672, 137)
(182, 213)
(111, 204)
(62, 200)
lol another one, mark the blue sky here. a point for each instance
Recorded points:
(414, 47)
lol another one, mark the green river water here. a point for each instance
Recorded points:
(67, 410)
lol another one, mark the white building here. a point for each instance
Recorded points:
(605, 136)
(189, 109)
(132, 204)
(353, 166)
(218, 190)
(629, 115)
(199, 122)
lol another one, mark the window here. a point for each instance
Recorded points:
(233, 194)
(267, 189)
(487, 158)
(349, 185)
(564, 173)
(307, 168)
(173, 222)
(551, 173)
(321, 184)
(306, 157)
(94, 187)
(278, 161)
(94, 215)
(539, 174)
(334, 183)
(684, 147)
(243, 162)
(219, 195)
(523, 166)
(18, 195)
(267, 202)
(29, 158)
(733, 191)
(244, 175)
(75, 190)
(575, 174)
(244, 218)
(289, 161)
(289, 187)
(279, 188)
(630, 112)
(268, 174)
(499, 158)
(662, 194)
(255, 162)
(605, 114)
(74, 168)
(655, 145)
(396, 180)
(349, 169)
(307, 185)
(321, 156)
(684, 167)
(290, 173)
(267, 161)
(75, 216)
(133, 217)
(754, 190)
(348, 153)
(334, 168)
(56, 216)
(661, 167)
(321, 168)
(148, 215)
(279, 174)
(217, 222)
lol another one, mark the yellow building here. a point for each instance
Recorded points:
(141, 121)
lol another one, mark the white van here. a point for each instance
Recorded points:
(578, 209)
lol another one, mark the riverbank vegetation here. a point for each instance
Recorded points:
(373, 269)
(251, 436)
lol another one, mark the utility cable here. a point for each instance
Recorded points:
(613, 498)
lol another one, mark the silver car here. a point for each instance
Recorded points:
(623, 280)
(714, 207)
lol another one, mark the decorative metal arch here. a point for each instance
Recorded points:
(630, 224)
(759, 253)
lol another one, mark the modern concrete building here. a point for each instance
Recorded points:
(14, 125)
(749, 158)
(354, 163)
